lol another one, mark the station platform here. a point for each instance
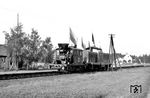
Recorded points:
(5, 75)
(25, 71)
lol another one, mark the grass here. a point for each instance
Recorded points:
(80, 85)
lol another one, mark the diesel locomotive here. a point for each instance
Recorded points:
(72, 59)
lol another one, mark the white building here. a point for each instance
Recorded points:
(127, 59)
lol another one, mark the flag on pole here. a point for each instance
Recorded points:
(72, 38)
(83, 45)
(93, 39)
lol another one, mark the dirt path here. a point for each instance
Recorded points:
(88, 85)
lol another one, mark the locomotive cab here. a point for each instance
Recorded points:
(76, 56)
(92, 55)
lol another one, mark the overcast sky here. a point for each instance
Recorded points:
(129, 20)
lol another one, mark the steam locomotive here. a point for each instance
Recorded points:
(72, 59)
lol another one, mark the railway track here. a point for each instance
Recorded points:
(40, 73)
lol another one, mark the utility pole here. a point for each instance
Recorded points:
(16, 53)
(112, 52)
(17, 20)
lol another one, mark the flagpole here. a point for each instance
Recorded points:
(93, 39)
(69, 39)
(83, 45)
(89, 45)
(69, 35)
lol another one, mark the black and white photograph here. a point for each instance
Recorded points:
(74, 49)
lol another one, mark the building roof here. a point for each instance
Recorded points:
(3, 50)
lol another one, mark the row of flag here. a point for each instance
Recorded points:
(112, 52)
(111, 47)
(72, 38)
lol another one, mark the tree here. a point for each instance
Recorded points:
(23, 49)
(46, 51)
(14, 46)
(34, 46)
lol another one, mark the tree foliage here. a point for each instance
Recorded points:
(23, 48)
(145, 58)
(46, 51)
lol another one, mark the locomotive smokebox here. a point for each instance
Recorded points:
(63, 46)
